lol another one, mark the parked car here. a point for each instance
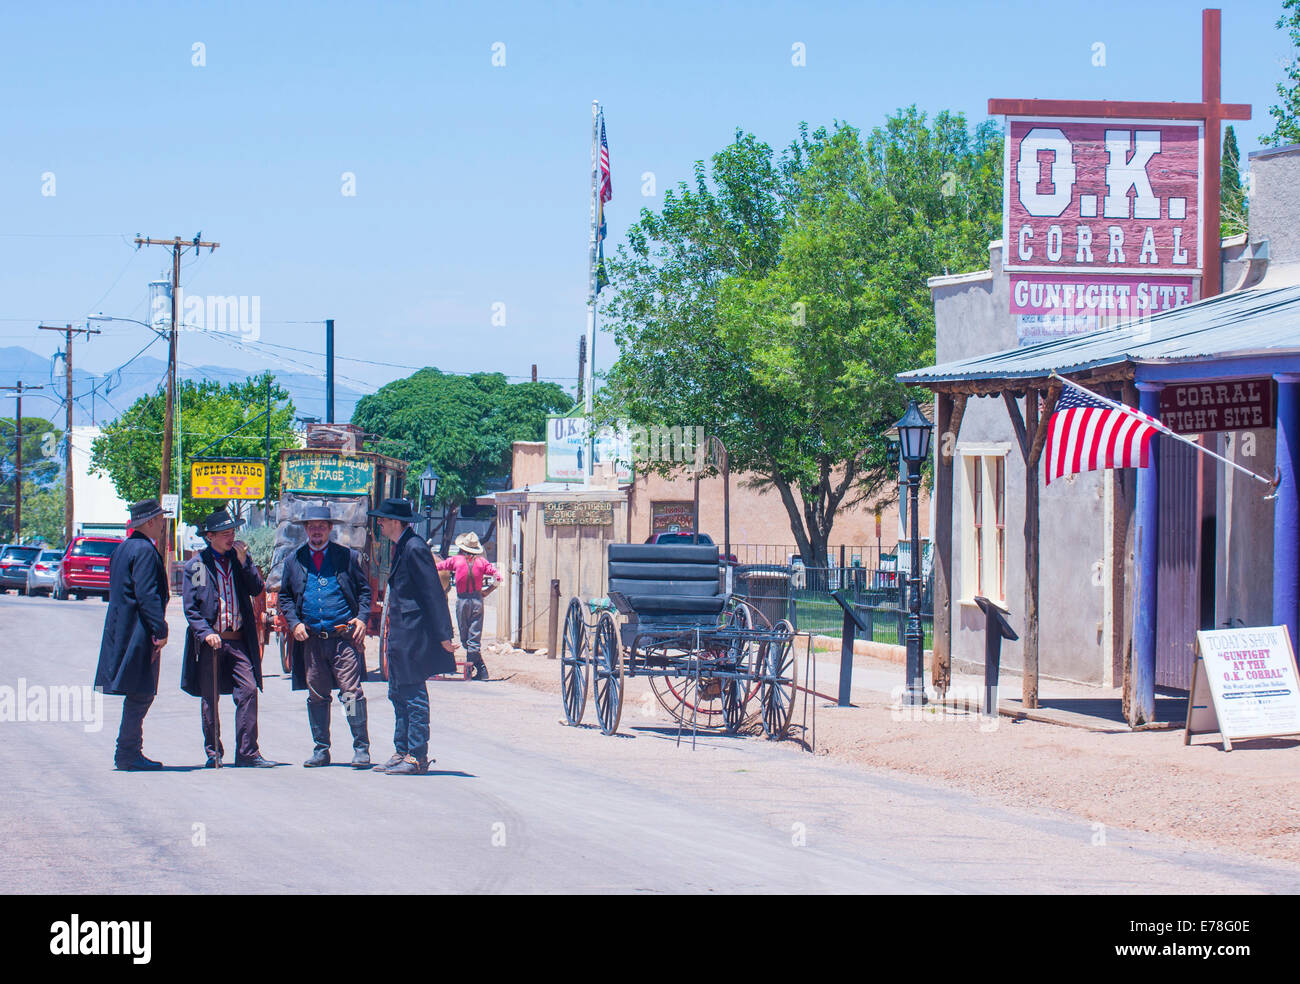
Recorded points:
(14, 561)
(44, 572)
(686, 536)
(84, 568)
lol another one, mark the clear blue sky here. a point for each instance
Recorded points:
(472, 180)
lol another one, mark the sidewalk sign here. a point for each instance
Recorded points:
(171, 503)
(1244, 685)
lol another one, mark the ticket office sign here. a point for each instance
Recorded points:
(224, 478)
(1244, 686)
(1103, 196)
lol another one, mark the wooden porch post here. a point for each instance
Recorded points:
(1029, 693)
(949, 411)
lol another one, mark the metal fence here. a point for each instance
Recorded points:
(803, 595)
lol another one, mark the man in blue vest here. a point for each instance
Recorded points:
(325, 599)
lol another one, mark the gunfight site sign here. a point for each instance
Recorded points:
(1244, 685)
(1101, 221)
(225, 478)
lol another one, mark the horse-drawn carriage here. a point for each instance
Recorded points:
(707, 654)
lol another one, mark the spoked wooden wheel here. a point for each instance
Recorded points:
(777, 688)
(607, 682)
(573, 663)
(736, 692)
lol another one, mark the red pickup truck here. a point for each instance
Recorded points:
(84, 568)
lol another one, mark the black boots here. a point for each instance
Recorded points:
(478, 669)
(318, 717)
(355, 711)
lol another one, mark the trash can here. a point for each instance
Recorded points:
(767, 588)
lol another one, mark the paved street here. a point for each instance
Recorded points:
(517, 803)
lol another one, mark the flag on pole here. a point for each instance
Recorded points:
(1087, 433)
(606, 194)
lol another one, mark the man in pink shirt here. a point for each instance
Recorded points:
(476, 578)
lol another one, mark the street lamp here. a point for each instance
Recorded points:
(914, 444)
(428, 487)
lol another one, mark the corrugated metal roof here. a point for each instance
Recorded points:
(1248, 322)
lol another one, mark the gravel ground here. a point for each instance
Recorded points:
(1247, 800)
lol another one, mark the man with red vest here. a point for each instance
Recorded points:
(476, 578)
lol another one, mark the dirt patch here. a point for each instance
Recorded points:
(1246, 800)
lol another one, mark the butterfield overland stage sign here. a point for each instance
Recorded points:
(228, 478)
(577, 514)
(1244, 685)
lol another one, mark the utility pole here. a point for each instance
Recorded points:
(68, 331)
(170, 417)
(18, 458)
(329, 370)
(582, 364)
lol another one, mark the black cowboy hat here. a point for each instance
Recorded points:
(395, 509)
(316, 513)
(144, 510)
(220, 521)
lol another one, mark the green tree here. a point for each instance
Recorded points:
(774, 302)
(42, 514)
(42, 470)
(1233, 207)
(463, 426)
(1286, 112)
(129, 450)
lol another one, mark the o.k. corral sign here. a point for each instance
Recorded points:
(1102, 221)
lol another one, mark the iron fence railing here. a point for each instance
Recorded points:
(803, 595)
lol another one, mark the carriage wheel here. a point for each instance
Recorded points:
(607, 684)
(573, 664)
(736, 692)
(778, 680)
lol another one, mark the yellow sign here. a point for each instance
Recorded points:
(228, 479)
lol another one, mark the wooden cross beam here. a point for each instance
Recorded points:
(1210, 110)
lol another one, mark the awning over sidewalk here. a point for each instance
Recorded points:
(1242, 324)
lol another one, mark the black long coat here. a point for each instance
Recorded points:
(353, 583)
(202, 604)
(419, 620)
(137, 614)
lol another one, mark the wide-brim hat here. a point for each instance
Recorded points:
(145, 510)
(395, 509)
(314, 513)
(219, 522)
(468, 543)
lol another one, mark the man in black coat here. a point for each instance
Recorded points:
(325, 600)
(218, 588)
(135, 630)
(419, 636)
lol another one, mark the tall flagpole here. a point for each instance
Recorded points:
(589, 382)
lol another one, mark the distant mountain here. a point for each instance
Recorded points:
(102, 398)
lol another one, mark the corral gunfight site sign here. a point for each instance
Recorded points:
(1102, 221)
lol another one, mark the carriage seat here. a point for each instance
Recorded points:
(669, 585)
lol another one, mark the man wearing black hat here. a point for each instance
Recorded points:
(419, 640)
(219, 584)
(135, 630)
(325, 599)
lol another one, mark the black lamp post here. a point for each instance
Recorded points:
(428, 487)
(914, 444)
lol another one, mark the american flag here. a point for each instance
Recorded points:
(606, 183)
(1086, 433)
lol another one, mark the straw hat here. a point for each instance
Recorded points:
(468, 543)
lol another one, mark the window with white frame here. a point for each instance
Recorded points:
(983, 527)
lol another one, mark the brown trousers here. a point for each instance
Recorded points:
(332, 663)
(234, 656)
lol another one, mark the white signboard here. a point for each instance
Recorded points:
(171, 503)
(1245, 685)
(566, 447)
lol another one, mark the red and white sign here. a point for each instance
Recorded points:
(1103, 196)
(1104, 295)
